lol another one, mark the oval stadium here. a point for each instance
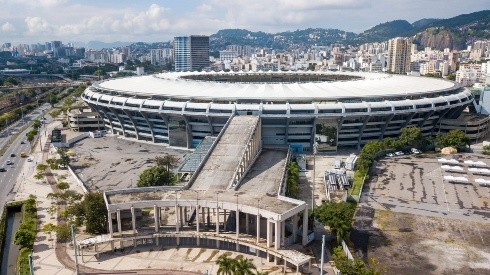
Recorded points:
(300, 109)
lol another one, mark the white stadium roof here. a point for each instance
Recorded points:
(371, 85)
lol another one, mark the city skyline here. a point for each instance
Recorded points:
(25, 21)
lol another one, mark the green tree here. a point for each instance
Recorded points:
(346, 266)
(39, 176)
(156, 176)
(226, 265)
(41, 167)
(243, 267)
(24, 238)
(411, 135)
(95, 213)
(36, 124)
(64, 159)
(62, 185)
(338, 217)
(53, 163)
(292, 180)
(49, 228)
(63, 232)
(486, 150)
(454, 138)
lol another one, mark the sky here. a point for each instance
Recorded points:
(32, 21)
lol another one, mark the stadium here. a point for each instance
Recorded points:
(300, 109)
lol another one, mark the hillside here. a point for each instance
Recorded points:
(454, 33)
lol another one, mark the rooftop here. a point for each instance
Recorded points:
(370, 85)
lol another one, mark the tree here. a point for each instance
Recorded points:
(167, 160)
(454, 138)
(346, 266)
(226, 265)
(41, 167)
(30, 136)
(95, 213)
(39, 176)
(292, 180)
(486, 150)
(410, 135)
(243, 266)
(62, 185)
(338, 217)
(24, 238)
(156, 176)
(64, 159)
(49, 228)
(53, 163)
(63, 232)
(36, 124)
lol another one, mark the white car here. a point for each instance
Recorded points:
(29, 160)
(390, 155)
(399, 153)
(415, 151)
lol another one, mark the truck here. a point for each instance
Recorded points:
(23, 154)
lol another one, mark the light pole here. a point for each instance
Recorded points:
(74, 248)
(323, 255)
(315, 149)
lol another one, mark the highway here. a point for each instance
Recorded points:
(13, 172)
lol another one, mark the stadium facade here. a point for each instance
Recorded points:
(301, 109)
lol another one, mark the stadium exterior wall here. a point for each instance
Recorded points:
(185, 122)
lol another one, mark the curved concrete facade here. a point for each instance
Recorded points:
(167, 108)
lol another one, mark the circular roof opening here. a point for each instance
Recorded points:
(270, 77)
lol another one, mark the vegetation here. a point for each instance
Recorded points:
(355, 266)
(409, 137)
(486, 150)
(454, 138)
(160, 174)
(26, 234)
(237, 266)
(292, 180)
(91, 212)
(337, 216)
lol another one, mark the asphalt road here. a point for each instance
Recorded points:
(13, 172)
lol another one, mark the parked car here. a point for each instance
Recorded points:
(22, 142)
(390, 155)
(399, 153)
(29, 160)
(12, 155)
(415, 151)
(2, 169)
(9, 162)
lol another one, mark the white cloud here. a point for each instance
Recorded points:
(7, 27)
(37, 25)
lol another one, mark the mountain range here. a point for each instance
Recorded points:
(454, 33)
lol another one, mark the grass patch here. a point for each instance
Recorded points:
(357, 183)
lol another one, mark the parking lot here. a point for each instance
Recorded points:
(414, 184)
(111, 162)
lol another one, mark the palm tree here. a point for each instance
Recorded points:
(244, 267)
(226, 265)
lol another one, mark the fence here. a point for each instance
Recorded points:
(347, 251)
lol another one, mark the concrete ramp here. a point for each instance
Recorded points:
(232, 155)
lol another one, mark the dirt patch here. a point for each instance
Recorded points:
(431, 246)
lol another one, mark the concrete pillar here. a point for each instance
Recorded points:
(185, 215)
(247, 222)
(133, 220)
(181, 214)
(237, 219)
(269, 233)
(197, 219)
(257, 220)
(305, 226)
(295, 227)
(224, 219)
(177, 224)
(209, 217)
(277, 237)
(157, 221)
(118, 217)
(217, 221)
(203, 214)
(283, 233)
(109, 221)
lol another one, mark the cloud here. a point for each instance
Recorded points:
(7, 27)
(37, 25)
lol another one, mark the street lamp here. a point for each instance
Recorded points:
(315, 151)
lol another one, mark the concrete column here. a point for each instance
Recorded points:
(109, 221)
(305, 226)
(133, 220)
(283, 233)
(177, 224)
(157, 221)
(203, 214)
(295, 227)
(257, 220)
(185, 215)
(217, 221)
(197, 219)
(269, 233)
(237, 219)
(247, 221)
(224, 219)
(181, 214)
(209, 217)
(118, 217)
(277, 239)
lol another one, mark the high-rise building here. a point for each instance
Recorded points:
(191, 52)
(399, 55)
